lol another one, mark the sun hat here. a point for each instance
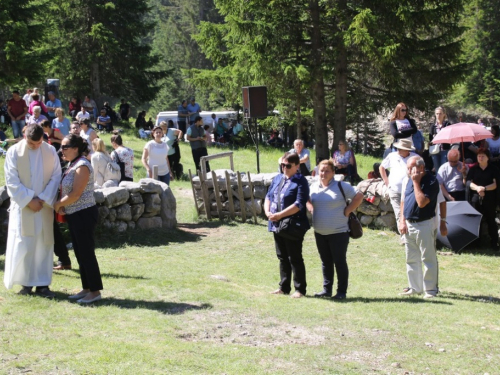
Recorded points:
(404, 144)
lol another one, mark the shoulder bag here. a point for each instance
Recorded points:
(121, 164)
(355, 228)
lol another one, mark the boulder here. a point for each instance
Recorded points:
(386, 221)
(246, 192)
(260, 192)
(366, 219)
(137, 211)
(135, 198)
(103, 213)
(368, 209)
(257, 203)
(120, 226)
(115, 196)
(375, 200)
(385, 206)
(98, 196)
(112, 214)
(106, 224)
(168, 208)
(131, 225)
(124, 212)
(132, 187)
(149, 223)
(150, 185)
(152, 203)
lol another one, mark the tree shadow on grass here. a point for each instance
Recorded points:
(158, 237)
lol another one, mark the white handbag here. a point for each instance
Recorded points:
(434, 149)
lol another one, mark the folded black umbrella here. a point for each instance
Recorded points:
(463, 222)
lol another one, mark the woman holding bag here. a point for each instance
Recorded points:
(286, 198)
(330, 221)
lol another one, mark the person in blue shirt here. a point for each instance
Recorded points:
(182, 116)
(418, 141)
(52, 105)
(104, 121)
(194, 110)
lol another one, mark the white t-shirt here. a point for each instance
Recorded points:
(157, 155)
(399, 171)
(404, 125)
(80, 115)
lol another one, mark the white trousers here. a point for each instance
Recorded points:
(421, 248)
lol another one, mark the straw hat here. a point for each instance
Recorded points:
(404, 144)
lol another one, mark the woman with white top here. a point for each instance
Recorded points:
(330, 213)
(171, 137)
(87, 132)
(402, 126)
(100, 160)
(156, 153)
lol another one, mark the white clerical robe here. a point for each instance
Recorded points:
(30, 241)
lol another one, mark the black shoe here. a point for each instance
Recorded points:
(25, 291)
(45, 292)
(339, 296)
(324, 293)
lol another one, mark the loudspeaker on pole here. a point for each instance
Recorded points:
(255, 102)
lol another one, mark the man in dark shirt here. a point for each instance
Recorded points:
(124, 110)
(182, 116)
(197, 138)
(416, 223)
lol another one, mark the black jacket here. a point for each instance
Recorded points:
(432, 133)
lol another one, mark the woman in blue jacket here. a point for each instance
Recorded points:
(287, 197)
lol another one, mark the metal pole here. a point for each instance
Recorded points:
(257, 145)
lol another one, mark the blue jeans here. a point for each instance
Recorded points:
(439, 159)
(17, 128)
(165, 178)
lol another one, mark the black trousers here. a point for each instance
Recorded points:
(289, 253)
(332, 250)
(458, 195)
(60, 248)
(81, 226)
(197, 154)
(487, 207)
(182, 126)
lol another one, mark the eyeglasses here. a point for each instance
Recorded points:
(287, 166)
(404, 110)
(65, 147)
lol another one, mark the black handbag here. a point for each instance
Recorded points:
(289, 227)
(355, 228)
(122, 167)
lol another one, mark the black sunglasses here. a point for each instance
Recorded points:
(287, 166)
(404, 110)
(65, 147)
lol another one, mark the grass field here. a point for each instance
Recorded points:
(195, 300)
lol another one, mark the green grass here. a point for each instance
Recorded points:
(195, 300)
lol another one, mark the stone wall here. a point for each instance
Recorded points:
(144, 205)
(378, 212)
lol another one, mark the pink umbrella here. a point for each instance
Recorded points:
(462, 132)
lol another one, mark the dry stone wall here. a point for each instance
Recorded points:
(144, 205)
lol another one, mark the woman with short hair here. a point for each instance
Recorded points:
(330, 212)
(37, 117)
(78, 205)
(54, 136)
(286, 198)
(60, 122)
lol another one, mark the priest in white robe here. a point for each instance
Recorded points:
(32, 176)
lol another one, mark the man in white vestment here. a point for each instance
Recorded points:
(32, 176)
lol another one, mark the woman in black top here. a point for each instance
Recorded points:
(440, 123)
(402, 126)
(484, 195)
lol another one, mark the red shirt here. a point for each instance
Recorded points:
(17, 107)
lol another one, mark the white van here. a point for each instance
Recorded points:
(205, 115)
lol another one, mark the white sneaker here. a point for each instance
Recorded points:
(428, 295)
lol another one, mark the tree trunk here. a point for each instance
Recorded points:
(340, 115)
(299, 114)
(317, 81)
(95, 82)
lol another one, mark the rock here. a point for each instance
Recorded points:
(385, 206)
(103, 213)
(219, 277)
(135, 198)
(168, 208)
(149, 223)
(152, 203)
(137, 211)
(396, 365)
(131, 225)
(106, 224)
(132, 187)
(366, 220)
(120, 226)
(257, 204)
(115, 196)
(441, 350)
(98, 196)
(150, 214)
(149, 185)
(246, 192)
(385, 221)
(368, 209)
(124, 212)
(112, 215)
(260, 192)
